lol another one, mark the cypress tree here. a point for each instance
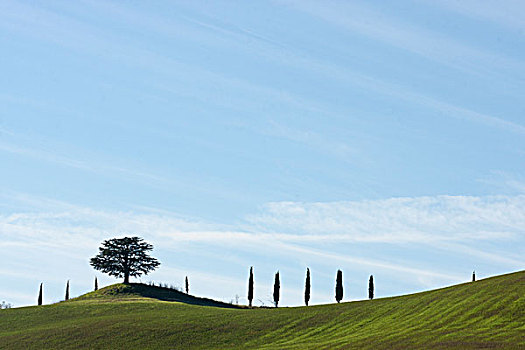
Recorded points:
(371, 288)
(339, 286)
(40, 296)
(276, 289)
(187, 285)
(307, 287)
(67, 290)
(250, 287)
(473, 276)
(96, 284)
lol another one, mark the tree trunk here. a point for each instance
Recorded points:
(126, 270)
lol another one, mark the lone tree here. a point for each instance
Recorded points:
(187, 285)
(276, 289)
(124, 257)
(339, 286)
(371, 288)
(96, 284)
(40, 296)
(67, 290)
(250, 287)
(307, 287)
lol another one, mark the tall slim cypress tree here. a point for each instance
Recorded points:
(187, 285)
(371, 288)
(276, 289)
(67, 290)
(96, 284)
(307, 287)
(339, 286)
(40, 295)
(250, 287)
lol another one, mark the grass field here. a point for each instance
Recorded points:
(488, 313)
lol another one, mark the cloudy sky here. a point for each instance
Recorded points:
(383, 138)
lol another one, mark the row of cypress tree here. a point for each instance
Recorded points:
(307, 287)
(276, 287)
(41, 291)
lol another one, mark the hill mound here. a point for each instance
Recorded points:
(489, 313)
(134, 291)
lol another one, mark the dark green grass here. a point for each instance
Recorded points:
(486, 314)
(141, 291)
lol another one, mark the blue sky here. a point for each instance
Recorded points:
(383, 138)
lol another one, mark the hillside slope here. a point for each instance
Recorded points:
(489, 313)
(138, 291)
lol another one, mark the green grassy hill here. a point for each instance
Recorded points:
(489, 313)
(141, 292)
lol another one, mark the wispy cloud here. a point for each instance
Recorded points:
(285, 226)
(290, 233)
(363, 19)
(505, 257)
(312, 139)
(205, 85)
(82, 163)
(50, 151)
(401, 219)
(396, 220)
(381, 265)
(505, 182)
(509, 15)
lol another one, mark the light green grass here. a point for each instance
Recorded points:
(486, 314)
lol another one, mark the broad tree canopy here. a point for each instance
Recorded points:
(124, 257)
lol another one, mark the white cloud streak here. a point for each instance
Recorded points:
(211, 86)
(367, 21)
(422, 220)
(40, 152)
(298, 232)
(401, 219)
(508, 14)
